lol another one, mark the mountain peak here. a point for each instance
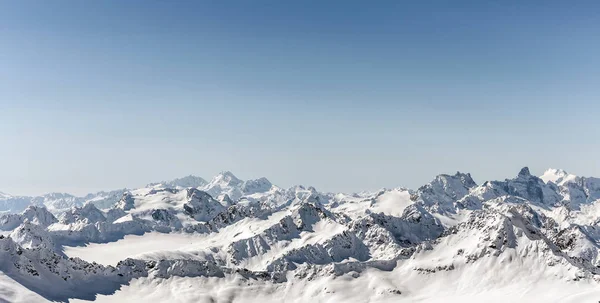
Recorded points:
(553, 175)
(524, 172)
(227, 174)
(226, 177)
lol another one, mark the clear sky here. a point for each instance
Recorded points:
(341, 95)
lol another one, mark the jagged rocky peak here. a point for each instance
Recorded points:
(441, 193)
(201, 206)
(532, 188)
(580, 242)
(199, 195)
(524, 185)
(524, 172)
(465, 179)
(307, 194)
(32, 214)
(127, 202)
(88, 212)
(575, 190)
(167, 219)
(30, 235)
(310, 212)
(458, 184)
(38, 215)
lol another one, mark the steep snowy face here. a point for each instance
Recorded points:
(224, 183)
(201, 206)
(224, 180)
(88, 213)
(30, 236)
(126, 202)
(33, 214)
(580, 243)
(525, 186)
(441, 193)
(38, 215)
(10, 221)
(300, 194)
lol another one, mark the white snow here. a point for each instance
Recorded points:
(12, 291)
(525, 239)
(130, 246)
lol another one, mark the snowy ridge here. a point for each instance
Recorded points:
(254, 234)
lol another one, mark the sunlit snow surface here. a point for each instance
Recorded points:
(131, 246)
(526, 239)
(371, 286)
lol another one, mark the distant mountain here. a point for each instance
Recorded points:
(61, 202)
(299, 244)
(185, 182)
(58, 202)
(227, 183)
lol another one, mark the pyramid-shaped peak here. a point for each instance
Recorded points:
(524, 172)
(227, 175)
(225, 178)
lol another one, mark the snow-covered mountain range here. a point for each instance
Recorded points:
(61, 202)
(527, 238)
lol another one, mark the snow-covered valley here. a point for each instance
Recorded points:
(524, 239)
(130, 246)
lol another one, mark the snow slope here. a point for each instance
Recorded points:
(523, 239)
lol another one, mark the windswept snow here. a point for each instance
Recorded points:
(523, 239)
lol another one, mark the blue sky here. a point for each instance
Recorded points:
(342, 95)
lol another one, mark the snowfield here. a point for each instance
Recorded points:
(524, 239)
(130, 246)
